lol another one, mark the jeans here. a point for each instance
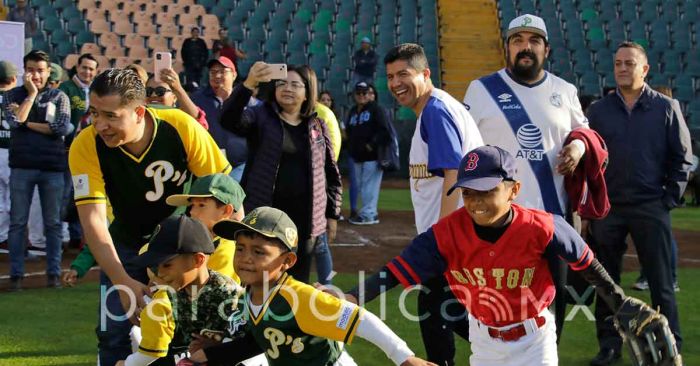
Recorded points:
(68, 211)
(354, 185)
(324, 261)
(113, 328)
(237, 172)
(356, 78)
(22, 183)
(649, 224)
(369, 175)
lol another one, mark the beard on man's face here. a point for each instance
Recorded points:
(525, 72)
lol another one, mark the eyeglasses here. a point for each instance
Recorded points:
(158, 91)
(361, 92)
(218, 71)
(294, 84)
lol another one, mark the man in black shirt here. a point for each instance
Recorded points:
(365, 61)
(194, 57)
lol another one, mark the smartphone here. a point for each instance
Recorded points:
(163, 60)
(279, 71)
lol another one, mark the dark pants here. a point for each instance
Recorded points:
(193, 74)
(649, 224)
(440, 303)
(559, 268)
(114, 342)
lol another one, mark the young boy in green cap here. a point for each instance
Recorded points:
(213, 198)
(190, 298)
(291, 322)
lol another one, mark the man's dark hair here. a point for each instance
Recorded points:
(37, 56)
(87, 56)
(635, 45)
(412, 53)
(308, 76)
(123, 82)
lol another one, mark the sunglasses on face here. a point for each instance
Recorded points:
(158, 91)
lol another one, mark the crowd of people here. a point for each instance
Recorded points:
(203, 189)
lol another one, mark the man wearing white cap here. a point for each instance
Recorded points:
(365, 61)
(529, 112)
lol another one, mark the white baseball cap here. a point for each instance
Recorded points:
(527, 23)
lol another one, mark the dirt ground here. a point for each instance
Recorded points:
(367, 248)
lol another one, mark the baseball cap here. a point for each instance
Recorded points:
(56, 72)
(527, 23)
(366, 40)
(266, 221)
(361, 86)
(219, 186)
(223, 61)
(484, 168)
(7, 70)
(175, 235)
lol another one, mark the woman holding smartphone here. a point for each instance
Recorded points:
(291, 164)
(169, 92)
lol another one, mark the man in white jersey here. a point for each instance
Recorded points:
(444, 133)
(530, 112)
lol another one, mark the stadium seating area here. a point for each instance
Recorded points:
(321, 33)
(584, 34)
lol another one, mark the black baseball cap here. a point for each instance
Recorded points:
(483, 168)
(361, 86)
(173, 236)
(266, 221)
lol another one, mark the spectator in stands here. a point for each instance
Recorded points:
(211, 99)
(365, 62)
(77, 89)
(325, 98)
(586, 101)
(195, 54)
(55, 76)
(8, 80)
(646, 176)
(40, 118)
(24, 14)
(288, 143)
(225, 47)
(641, 283)
(169, 92)
(543, 163)
(140, 71)
(366, 127)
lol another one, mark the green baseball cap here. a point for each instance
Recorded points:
(56, 72)
(266, 221)
(219, 186)
(7, 70)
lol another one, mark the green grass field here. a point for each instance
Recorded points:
(56, 327)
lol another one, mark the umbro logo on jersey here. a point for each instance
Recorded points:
(504, 98)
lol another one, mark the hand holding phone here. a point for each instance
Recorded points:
(277, 71)
(163, 60)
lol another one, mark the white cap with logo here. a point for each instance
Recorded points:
(527, 23)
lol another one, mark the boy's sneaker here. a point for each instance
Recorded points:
(641, 285)
(15, 284)
(363, 221)
(36, 251)
(676, 287)
(53, 281)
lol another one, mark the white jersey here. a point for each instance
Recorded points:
(553, 109)
(444, 133)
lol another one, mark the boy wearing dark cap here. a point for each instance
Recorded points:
(494, 255)
(213, 198)
(189, 299)
(292, 322)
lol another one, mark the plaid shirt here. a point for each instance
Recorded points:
(60, 125)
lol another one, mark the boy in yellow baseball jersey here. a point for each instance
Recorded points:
(291, 322)
(213, 198)
(190, 297)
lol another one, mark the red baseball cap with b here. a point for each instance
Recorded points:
(223, 61)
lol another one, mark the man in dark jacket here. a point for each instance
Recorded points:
(40, 118)
(194, 56)
(365, 61)
(649, 151)
(367, 129)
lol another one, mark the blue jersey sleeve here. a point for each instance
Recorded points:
(439, 131)
(419, 262)
(569, 245)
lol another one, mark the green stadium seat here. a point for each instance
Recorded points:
(208, 4)
(297, 58)
(71, 12)
(76, 25)
(52, 24)
(63, 49)
(628, 11)
(84, 37)
(39, 43)
(588, 14)
(59, 36)
(658, 79)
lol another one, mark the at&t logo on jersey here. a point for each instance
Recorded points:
(529, 137)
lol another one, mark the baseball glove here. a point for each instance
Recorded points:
(647, 333)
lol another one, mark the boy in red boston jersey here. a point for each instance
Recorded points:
(494, 255)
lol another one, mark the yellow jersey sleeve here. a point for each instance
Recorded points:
(327, 115)
(320, 314)
(157, 325)
(222, 259)
(203, 155)
(88, 182)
